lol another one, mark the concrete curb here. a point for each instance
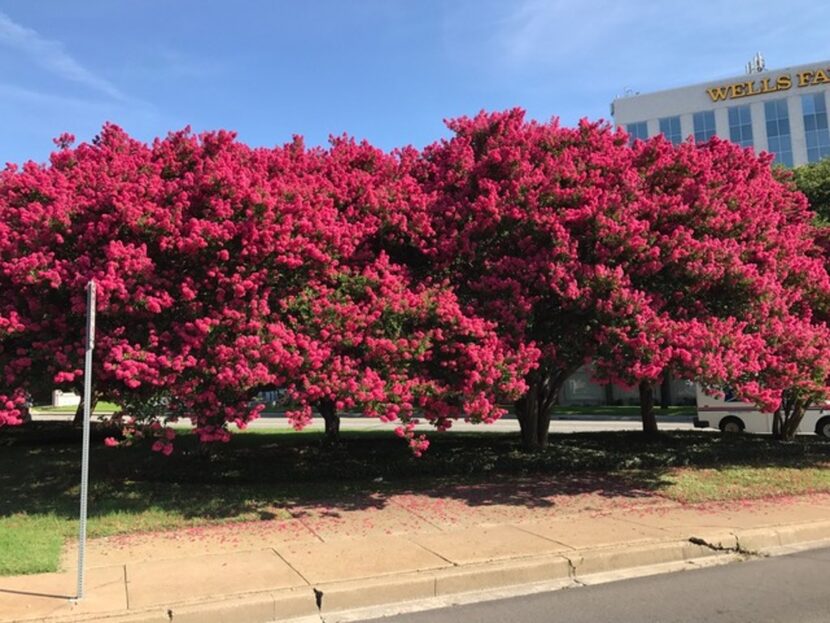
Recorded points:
(561, 569)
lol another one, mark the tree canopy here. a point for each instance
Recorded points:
(434, 284)
(814, 181)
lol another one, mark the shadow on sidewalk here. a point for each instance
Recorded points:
(7, 591)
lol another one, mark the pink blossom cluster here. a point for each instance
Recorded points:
(413, 285)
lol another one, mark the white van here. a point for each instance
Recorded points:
(732, 416)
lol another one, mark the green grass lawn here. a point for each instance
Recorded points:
(693, 485)
(259, 474)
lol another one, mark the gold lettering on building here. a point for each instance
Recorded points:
(783, 82)
(718, 93)
(820, 77)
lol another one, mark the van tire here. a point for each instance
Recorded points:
(823, 427)
(731, 424)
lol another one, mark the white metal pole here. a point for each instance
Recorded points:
(90, 345)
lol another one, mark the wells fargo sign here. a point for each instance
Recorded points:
(782, 82)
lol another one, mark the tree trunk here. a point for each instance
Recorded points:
(543, 426)
(647, 408)
(776, 423)
(665, 392)
(609, 394)
(788, 416)
(534, 422)
(533, 410)
(78, 420)
(790, 427)
(528, 414)
(331, 419)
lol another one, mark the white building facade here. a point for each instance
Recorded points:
(783, 112)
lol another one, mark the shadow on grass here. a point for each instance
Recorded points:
(268, 476)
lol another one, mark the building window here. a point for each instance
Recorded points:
(740, 126)
(704, 125)
(778, 131)
(670, 128)
(637, 131)
(815, 126)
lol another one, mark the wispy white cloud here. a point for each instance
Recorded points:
(178, 64)
(51, 56)
(44, 99)
(594, 48)
(541, 30)
(163, 63)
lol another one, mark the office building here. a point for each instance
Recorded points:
(783, 112)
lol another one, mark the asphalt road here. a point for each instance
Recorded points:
(785, 589)
(578, 424)
(505, 425)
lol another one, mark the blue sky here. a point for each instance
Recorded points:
(386, 70)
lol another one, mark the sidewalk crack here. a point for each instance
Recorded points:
(541, 536)
(290, 566)
(738, 549)
(434, 553)
(747, 552)
(318, 599)
(126, 588)
(412, 512)
(571, 569)
(310, 529)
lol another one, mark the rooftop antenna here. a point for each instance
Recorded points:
(756, 65)
(627, 92)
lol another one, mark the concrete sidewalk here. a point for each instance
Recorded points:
(329, 558)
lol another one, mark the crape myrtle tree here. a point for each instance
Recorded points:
(525, 219)
(156, 227)
(384, 342)
(648, 261)
(780, 361)
(206, 252)
(796, 364)
(48, 224)
(789, 364)
(725, 249)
